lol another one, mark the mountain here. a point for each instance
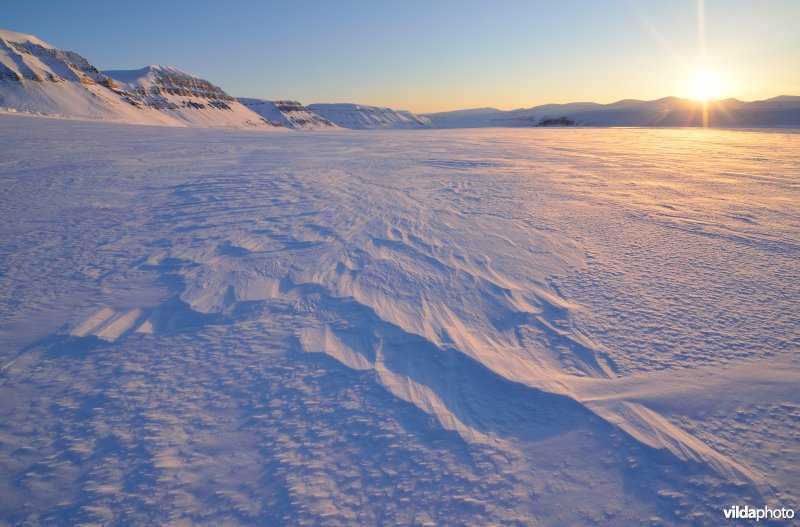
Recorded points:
(291, 114)
(668, 111)
(36, 77)
(361, 117)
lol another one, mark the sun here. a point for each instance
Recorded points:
(704, 86)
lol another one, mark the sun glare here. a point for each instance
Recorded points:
(704, 86)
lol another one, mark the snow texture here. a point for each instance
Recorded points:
(475, 327)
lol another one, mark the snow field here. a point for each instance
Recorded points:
(449, 327)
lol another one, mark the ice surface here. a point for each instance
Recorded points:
(548, 327)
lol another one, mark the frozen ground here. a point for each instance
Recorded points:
(547, 327)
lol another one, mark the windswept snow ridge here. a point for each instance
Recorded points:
(463, 327)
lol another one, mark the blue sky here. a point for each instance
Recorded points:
(438, 55)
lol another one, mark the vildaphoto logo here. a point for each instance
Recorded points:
(764, 513)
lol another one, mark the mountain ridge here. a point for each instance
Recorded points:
(38, 78)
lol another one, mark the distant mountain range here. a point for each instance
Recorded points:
(670, 111)
(38, 78)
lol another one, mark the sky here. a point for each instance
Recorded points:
(439, 55)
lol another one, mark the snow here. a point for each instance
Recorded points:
(506, 326)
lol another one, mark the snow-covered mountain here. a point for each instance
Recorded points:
(36, 77)
(291, 114)
(668, 111)
(361, 117)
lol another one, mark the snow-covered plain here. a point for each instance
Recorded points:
(470, 327)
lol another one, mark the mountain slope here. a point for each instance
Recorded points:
(291, 114)
(668, 111)
(361, 117)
